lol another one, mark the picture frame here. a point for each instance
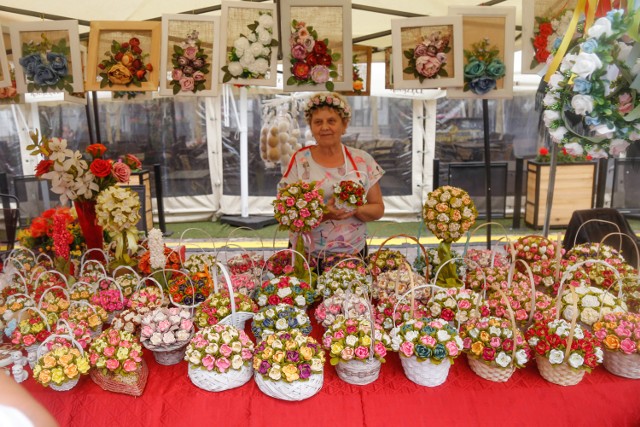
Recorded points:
(47, 56)
(388, 68)
(535, 12)
(428, 52)
(189, 55)
(5, 70)
(495, 26)
(361, 60)
(105, 73)
(243, 24)
(317, 20)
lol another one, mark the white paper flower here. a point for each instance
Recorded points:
(576, 360)
(283, 292)
(156, 339)
(556, 357)
(586, 64)
(521, 356)
(443, 335)
(590, 301)
(351, 340)
(549, 116)
(557, 134)
(265, 20)
(602, 26)
(281, 324)
(503, 360)
(582, 104)
(300, 301)
(235, 68)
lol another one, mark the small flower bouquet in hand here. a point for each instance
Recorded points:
(218, 306)
(349, 195)
(339, 280)
(620, 337)
(286, 290)
(356, 352)
(563, 355)
(427, 349)
(220, 358)
(166, 331)
(289, 366)
(495, 348)
(60, 368)
(280, 318)
(345, 304)
(116, 357)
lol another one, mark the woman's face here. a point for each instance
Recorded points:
(327, 127)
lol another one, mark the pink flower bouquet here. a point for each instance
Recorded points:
(116, 352)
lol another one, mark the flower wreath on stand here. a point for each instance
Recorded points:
(427, 59)
(548, 34)
(591, 101)
(125, 64)
(312, 62)
(250, 56)
(190, 66)
(46, 65)
(483, 68)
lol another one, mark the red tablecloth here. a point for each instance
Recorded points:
(464, 399)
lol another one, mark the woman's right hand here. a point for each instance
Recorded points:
(335, 214)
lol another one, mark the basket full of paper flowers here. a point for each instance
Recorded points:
(457, 305)
(345, 304)
(289, 366)
(620, 337)
(340, 279)
(166, 332)
(60, 366)
(279, 318)
(220, 358)
(287, 290)
(219, 306)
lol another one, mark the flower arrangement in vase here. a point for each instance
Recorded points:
(289, 366)
(250, 55)
(349, 195)
(427, 59)
(620, 337)
(339, 280)
(279, 318)
(484, 67)
(495, 347)
(61, 367)
(125, 64)
(559, 361)
(220, 358)
(427, 348)
(46, 65)
(356, 352)
(312, 62)
(287, 290)
(166, 332)
(218, 306)
(190, 66)
(344, 304)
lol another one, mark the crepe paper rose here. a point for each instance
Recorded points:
(94, 315)
(33, 329)
(397, 282)
(384, 260)
(218, 306)
(479, 279)
(244, 283)
(597, 273)
(299, 206)
(312, 62)
(79, 331)
(535, 248)
(285, 290)
(427, 339)
(384, 311)
(125, 64)
(549, 339)
(340, 280)
(60, 365)
(219, 348)
(454, 305)
(594, 88)
(349, 339)
(345, 304)
(483, 67)
(288, 357)
(250, 55)
(250, 262)
(592, 304)
(279, 318)
(72, 175)
(117, 352)
(165, 328)
(190, 66)
(427, 59)
(619, 332)
(118, 212)
(46, 65)
(129, 320)
(150, 297)
(110, 299)
(547, 36)
(349, 195)
(191, 292)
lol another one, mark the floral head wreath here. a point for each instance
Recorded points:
(327, 100)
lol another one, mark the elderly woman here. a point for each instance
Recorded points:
(328, 163)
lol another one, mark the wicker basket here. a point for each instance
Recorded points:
(623, 365)
(132, 384)
(215, 381)
(359, 372)
(490, 372)
(558, 374)
(294, 391)
(425, 373)
(170, 355)
(65, 386)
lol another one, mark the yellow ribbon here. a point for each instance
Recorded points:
(568, 36)
(125, 241)
(635, 23)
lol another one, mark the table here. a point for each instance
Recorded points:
(465, 399)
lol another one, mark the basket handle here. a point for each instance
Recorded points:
(604, 221)
(189, 281)
(293, 254)
(512, 318)
(78, 284)
(57, 273)
(112, 283)
(85, 303)
(181, 241)
(245, 228)
(45, 256)
(46, 291)
(620, 235)
(322, 252)
(124, 267)
(143, 281)
(227, 277)
(40, 352)
(532, 281)
(104, 254)
(424, 251)
(403, 296)
(512, 250)
(40, 313)
(441, 266)
(15, 251)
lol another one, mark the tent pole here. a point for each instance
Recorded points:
(552, 184)
(244, 154)
(487, 165)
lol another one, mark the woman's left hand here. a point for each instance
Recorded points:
(333, 213)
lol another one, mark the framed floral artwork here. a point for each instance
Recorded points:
(544, 24)
(316, 54)
(428, 52)
(189, 55)
(249, 43)
(123, 56)
(361, 58)
(47, 56)
(5, 71)
(488, 35)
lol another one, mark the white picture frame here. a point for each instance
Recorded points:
(5, 70)
(497, 25)
(435, 31)
(59, 33)
(321, 15)
(238, 16)
(208, 28)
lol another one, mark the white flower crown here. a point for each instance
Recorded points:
(322, 100)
